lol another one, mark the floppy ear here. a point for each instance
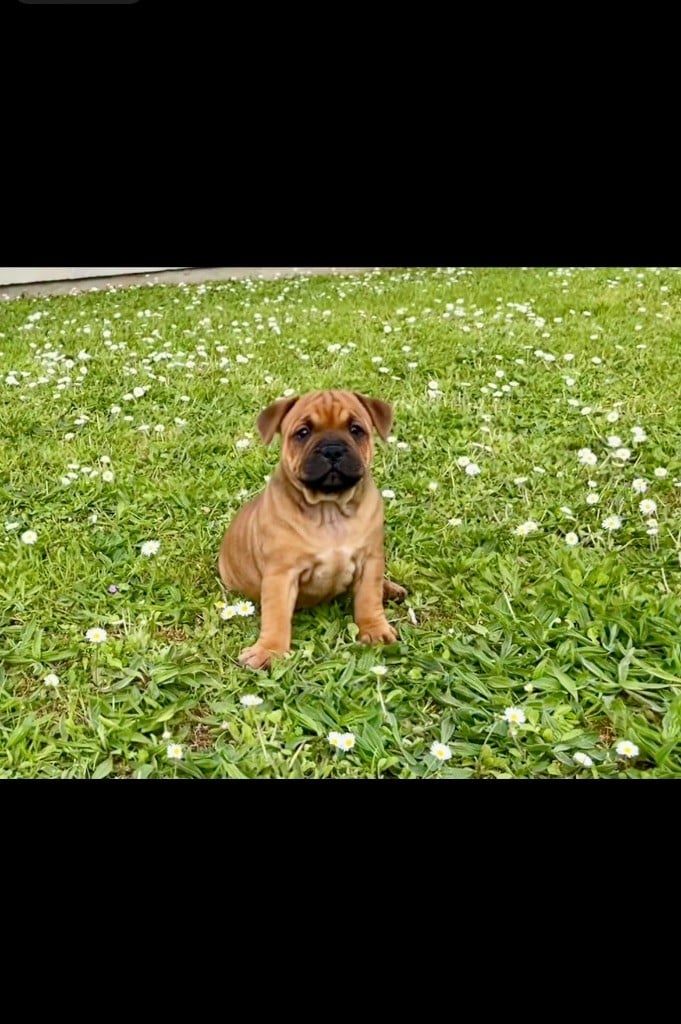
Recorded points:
(269, 420)
(381, 413)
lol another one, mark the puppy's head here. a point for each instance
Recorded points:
(327, 437)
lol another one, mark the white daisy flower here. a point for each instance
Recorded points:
(29, 537)
(612, 417)
(433, 485)
(138, 392)
(244, 608)
(175, 752)
(150, 547)
(379, 670)
(387, 493)
(639, 485)
(440, 751)
(611, 523)
(51, 680)
(472, 469)
(514, 716)
(526, 528)
(228, 612)
(614, 441)
(592, 498)
(623, 454)
(528, 688)
(165, 735)
(96, 635)
(347, 741)
(569, 356)
(335, 738)
(582, 759)
(520, 480)
(586, 411)
(108, 477)
(250, 700)
(625, 748)
(660, 472)
(648, 507)
(571, 539)
(463, 461)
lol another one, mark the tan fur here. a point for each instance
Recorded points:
(292, 547)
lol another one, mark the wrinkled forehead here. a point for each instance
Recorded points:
(327, 409)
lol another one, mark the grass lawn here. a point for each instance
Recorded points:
(542, 622)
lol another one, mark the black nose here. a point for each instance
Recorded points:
(333, 452)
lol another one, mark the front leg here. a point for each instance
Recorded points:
(278, 595)
(374, 628)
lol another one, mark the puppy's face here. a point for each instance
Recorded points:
(327, 442)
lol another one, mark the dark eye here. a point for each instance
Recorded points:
(301, 434)
(356, 430)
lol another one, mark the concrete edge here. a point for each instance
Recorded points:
(189, 275)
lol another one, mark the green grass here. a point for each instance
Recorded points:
(585, 640)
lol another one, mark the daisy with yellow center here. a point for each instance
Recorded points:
(244, 608)
(175, 752)
(440, 751)
(627, 749)
(514, 716)
(342, 740)
(96, 635)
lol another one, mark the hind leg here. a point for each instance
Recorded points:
(393, 591)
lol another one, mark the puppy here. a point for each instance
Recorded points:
(316, 531)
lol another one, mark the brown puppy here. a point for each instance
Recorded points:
(316, 530)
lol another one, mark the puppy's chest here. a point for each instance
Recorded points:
(332, 570)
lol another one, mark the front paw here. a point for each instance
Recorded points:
(256, 657)
(380, 632)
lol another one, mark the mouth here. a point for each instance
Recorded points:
(334, 481)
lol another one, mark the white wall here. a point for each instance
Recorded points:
(25, 275)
